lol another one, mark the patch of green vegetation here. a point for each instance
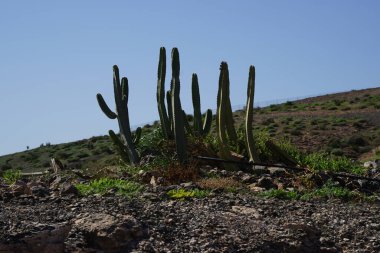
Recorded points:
(186, 194)
(104, 185)
(150, 142)
(328, 191)
(279, 194)
(11, 176)
(320, 161)
(331, 190)
(156, 162)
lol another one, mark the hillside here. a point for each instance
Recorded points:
(345, 123)
(327, 203)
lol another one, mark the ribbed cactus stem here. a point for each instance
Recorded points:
(251, 147)
(178, 117)
(207, 123)
(229, 116)
(196, 104)
(225, 123)
(221, 112)
(137, 136)
(125, 144)
(170, 111)
(197, 124)
(165, 122)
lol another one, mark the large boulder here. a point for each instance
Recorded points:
(109, 233)
(42, 238)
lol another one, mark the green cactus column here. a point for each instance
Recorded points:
(225, 123)
(222, 111)
(199, 129)
(164, 118)
(125, 144)
(252, 151)
(177, 113)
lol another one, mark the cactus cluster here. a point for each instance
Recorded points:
(126, 142)
(173, 119)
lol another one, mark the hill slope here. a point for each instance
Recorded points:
(345, 123)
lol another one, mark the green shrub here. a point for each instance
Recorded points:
(329, 190)
(279, 194)
(104, 185)
(185, 194)
(325, 162)
(11, 176)
(337, 152)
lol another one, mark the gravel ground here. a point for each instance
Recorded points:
(222, 222)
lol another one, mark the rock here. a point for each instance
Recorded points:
(145, 176)
(42, 239)
(56, 165)
(246, 211)
(19, 188)
(54, 185)
(68, 188)
(277, 172)
(39, 191)
(255, 188)
(266, 182)
(247, 179)
(371, 164)
(110, 233)
(259, 170)
(153, 181)
(188, 185)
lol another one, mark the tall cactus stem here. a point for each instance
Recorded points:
(178, 118)
(160, 95)
(196, 104)
(125, 144)
(251, 147)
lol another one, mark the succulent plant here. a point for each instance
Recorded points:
(252, 150)
(224, 120)
(177, 112)
(125, 143)
(199, 128)
(172, 118)
(160, 95)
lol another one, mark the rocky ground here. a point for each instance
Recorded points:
(49, 216)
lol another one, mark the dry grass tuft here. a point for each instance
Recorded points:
(226, 183)
(177, 173)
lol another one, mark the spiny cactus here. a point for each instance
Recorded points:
(173, 118)
(224, 120)
(164, 118)
(199, 128)
(178, 115)
(252, 151)
(125, 143)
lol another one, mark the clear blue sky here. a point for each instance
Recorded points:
(56, 55)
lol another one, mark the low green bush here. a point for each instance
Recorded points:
(185, 194)
(11, 176)
(104, 185)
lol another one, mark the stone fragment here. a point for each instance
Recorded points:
(246, 211)
(255, 188)
(259, 170)
(277, 172)
(42, 239)
(68, 188)
(247, 179)
(266, 182)
(109, 233)
(19, 188)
